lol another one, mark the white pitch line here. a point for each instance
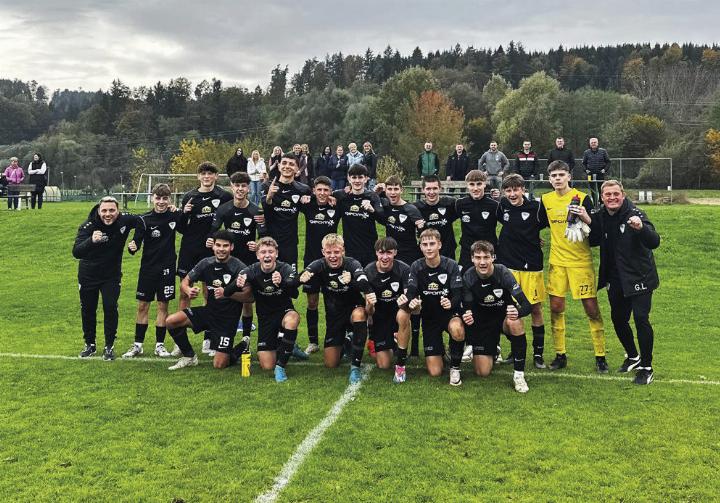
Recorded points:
(531, 374)
(293, 464)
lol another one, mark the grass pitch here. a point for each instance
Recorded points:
(75, 430)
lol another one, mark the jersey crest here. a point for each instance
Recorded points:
(442, 210)
(247, 221)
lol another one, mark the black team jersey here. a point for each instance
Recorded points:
(320, 220)
(215, 275)
(241, 223)
(156, 231)
(400, 225)
(433, 283)
(441, 217)
(478, 219)
(491, 296)
(388, 286)
(336, 294)
(359, 225)
(281, 217)
(270, 298)
(519, 241)
(195, 226)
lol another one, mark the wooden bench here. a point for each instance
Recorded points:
(23, 193)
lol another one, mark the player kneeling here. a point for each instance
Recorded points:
(494, 303)
(273, 284)
(435, 288)
(388, 278)
(342, 281)
(220, 315)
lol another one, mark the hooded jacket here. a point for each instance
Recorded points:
(236, 163)
(457, 166)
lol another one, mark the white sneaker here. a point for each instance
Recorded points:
(211, 353)
(312, 348)
(135, 350)
(455, 377)
(185, 361)
(519, 382)
(467, 354)
(161, 351)
(498, 357)
(176, 352)
(206, 346)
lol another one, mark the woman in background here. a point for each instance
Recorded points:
(15, 176)
(37, 170)
(272, 168)
(258, 174)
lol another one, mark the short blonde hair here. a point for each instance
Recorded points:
(430, 234)
(13, 159)
(333, 240)
(612, 183)
(266, 241)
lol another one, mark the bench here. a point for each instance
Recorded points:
(24, 190)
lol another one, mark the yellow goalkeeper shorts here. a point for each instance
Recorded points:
(579, 280)
(532, 284)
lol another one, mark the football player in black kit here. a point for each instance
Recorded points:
(321, 219)
(243, 219)
(388, 278)
(220, 315)
(199, 206)
(435, 286)
(99, 245)
(438, 213)
(343, 281)
(493, 302)
(273, 285)
(359, 209)
(519, 250)
(478, 215)
(156, 279)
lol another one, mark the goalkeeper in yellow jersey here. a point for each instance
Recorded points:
(566, 211)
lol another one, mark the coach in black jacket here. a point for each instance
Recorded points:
(458, 164)
(627, 267)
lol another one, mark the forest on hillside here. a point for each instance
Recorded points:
(640, 100)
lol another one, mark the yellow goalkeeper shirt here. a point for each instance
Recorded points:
(553, 212)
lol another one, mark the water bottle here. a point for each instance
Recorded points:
(245, 364)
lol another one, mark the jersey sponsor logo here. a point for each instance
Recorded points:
(506, 216)
(268, 289)
(155, 234)
(331, 213)
(319, 216)
(247, 221)
(235, 225)
(227, 278)
(485, 214)
(622, 228)
(488, 299)
(442, 210)
(354, 208)
(217, 283)
(285, 204)
(498, 292)
(525, 215)
(434, 216)
(172, 225)
(333, 284)
(442, 278)
(395, 285)
(295, 198)
(206, 209)
(433, 286)
(466, 218)
(386, 294)
(391, 219)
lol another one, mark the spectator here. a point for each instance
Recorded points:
(3, 184)
(370, 162)
(560, 153)
(37, 170)
(526, 165)
(15, 176)
(257, 173)
(274, 163)
(302, 171)
(339, 168)
(238, 162)
(322, 164)
(596, 162)
(457, 165)
(310, 162)
(428, 162)
(493, 163)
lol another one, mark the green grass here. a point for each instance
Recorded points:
(132, 431)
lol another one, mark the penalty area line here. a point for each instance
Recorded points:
(313, 438)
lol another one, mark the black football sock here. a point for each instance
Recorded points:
(160, 334)
(401, 356)
(456, 352)
(415, 324)
(247, 325)
(358, 341)
(312, 324)
(140, 329)
(518, 345)
(180, 337)
(285, 348)
(538, 339)
(509, 338)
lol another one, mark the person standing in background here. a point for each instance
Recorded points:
(428, 162)
(14, 175)
(258, 174)
(493, 163)
(238, 162)
(370, 162)
(273, 166)
(37, 170)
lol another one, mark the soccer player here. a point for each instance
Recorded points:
(99, 245)
(359, 210)
(156, 279)
(627, 268)
(273, 284)
(342, 281)
(493, 302)
(438, 213)
(243, 219)
(571, 266)
(282, 208)
(478, 216)
(435, 287)
(388, 278)
(220, 315)
(321, 219)
(519, 250)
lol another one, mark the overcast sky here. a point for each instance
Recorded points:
(88, 43)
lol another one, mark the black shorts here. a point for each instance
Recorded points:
(383, 330)
(156, 284)
(338, 323)
(484, 334)
(223, 329)
(288, 253)
(433, 326)
(187, 259)
(269, 326)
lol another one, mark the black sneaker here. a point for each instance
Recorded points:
(601, 365)
(539, 361)
(629, 364)
(90, 349)
(560, 362)
(644, 376)
(109, 354)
